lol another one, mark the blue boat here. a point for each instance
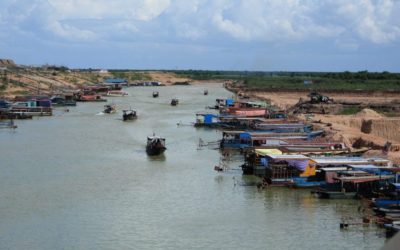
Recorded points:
(306, 182)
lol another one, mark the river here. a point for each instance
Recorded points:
(82, 180)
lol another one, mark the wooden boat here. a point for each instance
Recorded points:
(325, 194)
(128, 115)
(392, 228)
(155, 94)
(116, 93)
(90, 98)
(205, 92)
(386, 202)
(155, 145)
(110, 109)
(174, 102)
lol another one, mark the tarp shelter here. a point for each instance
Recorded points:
(245, 136)
(298, 161)
(269, 151)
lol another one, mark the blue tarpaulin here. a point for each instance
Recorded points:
(246, 136)
(208, 118)
(229, 102)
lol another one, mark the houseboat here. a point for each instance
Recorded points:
(89, 97)
(63, 100)
(155, 145)
(245, 139)
(277, 169)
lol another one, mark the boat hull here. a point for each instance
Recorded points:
(155, 150)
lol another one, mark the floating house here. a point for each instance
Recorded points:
(4, 104)
(115, 83)
(223, 103)
(246, 139)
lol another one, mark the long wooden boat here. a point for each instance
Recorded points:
(392, 229)
(324, 194)
(385, 202)
(116, 93)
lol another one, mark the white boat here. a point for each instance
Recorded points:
(116, 93)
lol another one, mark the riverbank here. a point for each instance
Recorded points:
(22, 80)
(348, 128)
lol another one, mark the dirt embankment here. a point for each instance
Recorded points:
(366, 128)
(24, 80)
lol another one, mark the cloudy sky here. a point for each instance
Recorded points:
(287, 35)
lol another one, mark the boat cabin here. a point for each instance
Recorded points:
(155, 145)
(128, 115)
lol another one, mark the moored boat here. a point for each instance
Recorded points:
(155, 145)
(155, 94)
(116, 93)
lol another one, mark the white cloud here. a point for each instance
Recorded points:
(150, 9)
(277, 21)
(375, 21)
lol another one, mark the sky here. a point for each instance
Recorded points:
(253, 35)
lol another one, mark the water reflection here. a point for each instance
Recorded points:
(80, 181)
(160, 157)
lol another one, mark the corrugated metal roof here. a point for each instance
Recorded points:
(288, 157)
(369, 166)
(347, 160)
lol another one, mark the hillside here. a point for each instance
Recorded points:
(21, 80)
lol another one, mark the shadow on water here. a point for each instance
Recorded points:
(160, 157)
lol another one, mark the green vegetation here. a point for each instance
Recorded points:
(350, 110)
(362, 80)
(4, 82)
(21, 92)
(131, 75)
(137, 76)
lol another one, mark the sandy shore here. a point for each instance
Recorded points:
(348, 127)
